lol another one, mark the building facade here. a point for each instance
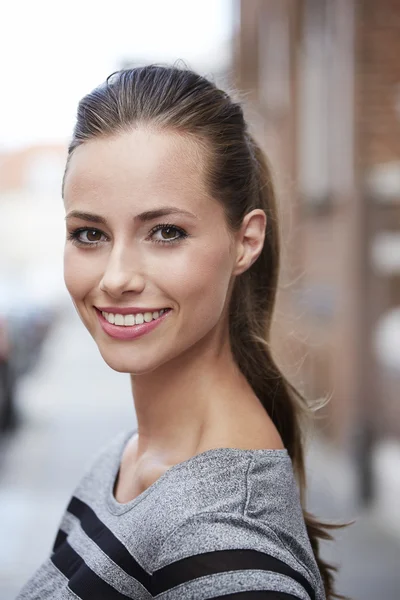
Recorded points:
(322, 88)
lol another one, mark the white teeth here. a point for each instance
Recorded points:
(119, 319)
(129, 320)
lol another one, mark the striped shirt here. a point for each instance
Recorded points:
(226, 523)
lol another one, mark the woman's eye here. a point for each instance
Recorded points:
(86, 237)
(167, 234)
(92, 235)
(163, 233)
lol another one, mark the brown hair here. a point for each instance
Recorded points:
(171, 98)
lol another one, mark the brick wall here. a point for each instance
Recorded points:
(326, 305)
(378, 80)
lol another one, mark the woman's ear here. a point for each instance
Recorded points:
(250, 240)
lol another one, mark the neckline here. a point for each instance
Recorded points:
(119, 508)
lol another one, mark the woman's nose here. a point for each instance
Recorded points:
(122, 274)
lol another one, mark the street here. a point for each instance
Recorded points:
(70, 406)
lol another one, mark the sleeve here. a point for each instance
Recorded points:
(223, 556)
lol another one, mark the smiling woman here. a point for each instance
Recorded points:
(172, 262)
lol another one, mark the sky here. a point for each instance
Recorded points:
(53, 52)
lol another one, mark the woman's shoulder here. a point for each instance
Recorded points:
(231, 551)
(226, 500)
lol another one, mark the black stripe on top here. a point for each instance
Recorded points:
(258, 595)
(82, 580)
(105, 540)
(209, 563)
(60, 539)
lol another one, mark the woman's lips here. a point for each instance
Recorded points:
(129, 332)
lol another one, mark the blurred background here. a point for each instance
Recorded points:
(321, 84)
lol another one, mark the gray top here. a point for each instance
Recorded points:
(224, 522)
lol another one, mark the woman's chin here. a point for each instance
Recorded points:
(128, 364)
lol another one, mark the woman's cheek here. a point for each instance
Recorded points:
(69, 280)
(79, 274)
(199, 280)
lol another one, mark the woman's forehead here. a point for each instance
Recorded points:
(139, 168)
(142, 158)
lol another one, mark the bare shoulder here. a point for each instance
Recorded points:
(264, 440)
(253, 429)
(248, 434)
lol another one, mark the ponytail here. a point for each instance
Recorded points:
(251, 309)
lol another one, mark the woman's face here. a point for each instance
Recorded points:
(143, 234)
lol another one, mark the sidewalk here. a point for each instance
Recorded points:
(366, 553)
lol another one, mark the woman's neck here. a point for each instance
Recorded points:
(191, 405)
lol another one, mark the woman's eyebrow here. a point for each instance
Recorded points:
(85, 216)
(148, 215)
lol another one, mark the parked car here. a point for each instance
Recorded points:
(24, 324)
(6, 379)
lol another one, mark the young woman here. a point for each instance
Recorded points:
(171, 260)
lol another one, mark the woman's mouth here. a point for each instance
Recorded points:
(134, 319)
(130, 326)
